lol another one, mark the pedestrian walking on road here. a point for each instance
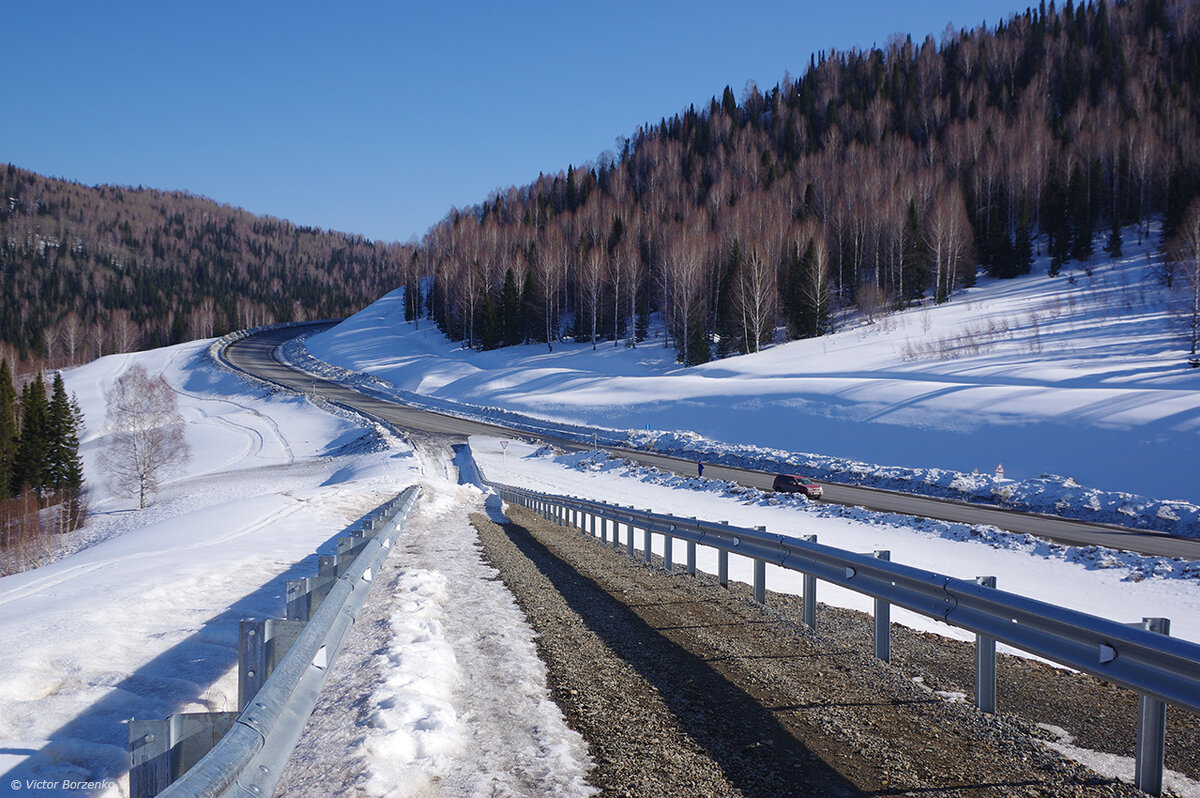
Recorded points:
(699, 468)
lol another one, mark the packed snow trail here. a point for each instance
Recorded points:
(439, 689)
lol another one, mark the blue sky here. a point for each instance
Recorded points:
(377, 118)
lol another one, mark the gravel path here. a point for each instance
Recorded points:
(682, 687)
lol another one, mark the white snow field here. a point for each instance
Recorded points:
(1079, 377)
(139, 619)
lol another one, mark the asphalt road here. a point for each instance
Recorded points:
(256, 355)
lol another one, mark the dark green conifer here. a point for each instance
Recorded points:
(30, 466)
(8, 430)
(512, 319)
(64, 468)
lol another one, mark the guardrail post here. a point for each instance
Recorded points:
(668, 560)
(810, 594)
(261, 645)
(296, 593)
(985, 663)
(723, 564)
(160, 751)
(760, 581)
(629, 547)
(646, 553)
(1151, 729)
(691, 553)
(760, 576)
(883, 621)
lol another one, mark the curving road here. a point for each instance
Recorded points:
(256, 355)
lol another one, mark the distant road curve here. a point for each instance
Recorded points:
(256, 355)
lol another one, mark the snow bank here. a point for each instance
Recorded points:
(1047, 493)
(1121, 586)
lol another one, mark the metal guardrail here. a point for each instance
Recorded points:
(1141, 656)
(249, 757)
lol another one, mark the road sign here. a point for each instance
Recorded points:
(999, 470)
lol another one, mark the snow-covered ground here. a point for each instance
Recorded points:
(139, 618)
(1076, 384)
(1115, 585)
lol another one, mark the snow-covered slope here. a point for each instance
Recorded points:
(141, 621)
(1076, 384)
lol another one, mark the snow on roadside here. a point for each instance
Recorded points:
(457, 699)
(465, 705)
(140, 619)
(1112, 766)
(1075, 383)
(1136, 567)
(1102, 582)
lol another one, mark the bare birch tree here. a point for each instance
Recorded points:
(1184, 250)
(948, 241)
(145, 435)
(755, 298)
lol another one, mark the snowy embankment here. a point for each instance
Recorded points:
(1077, 375)
(1116, 585)
(138, 618)
(440, 690)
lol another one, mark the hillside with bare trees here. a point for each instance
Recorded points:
(89, 271)
(877, 178)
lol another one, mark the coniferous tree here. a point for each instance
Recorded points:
(915, 273)
(30, 467)
(1023, 241)
(65, 478)
(1114, 244)
(512, 319)
(65, 470)
(729, 339)
(8, 430)
(1080, 214)
(489, 334)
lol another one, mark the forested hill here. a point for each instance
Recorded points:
(877, 177)
(89, 271)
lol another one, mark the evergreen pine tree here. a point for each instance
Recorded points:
(1056, 222)
(30, 466)
(795, 308)
(512, 320)
(641, 322)
(1113, 247)
(64, 469)
(1178, 200)
(8, 430)
(697, 348)
(487, 326)
(65, 477)
(729, 336)
(914, 271)
(1023, 241)
(532, 309)
(1081, 219)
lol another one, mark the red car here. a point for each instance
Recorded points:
(793, 483)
